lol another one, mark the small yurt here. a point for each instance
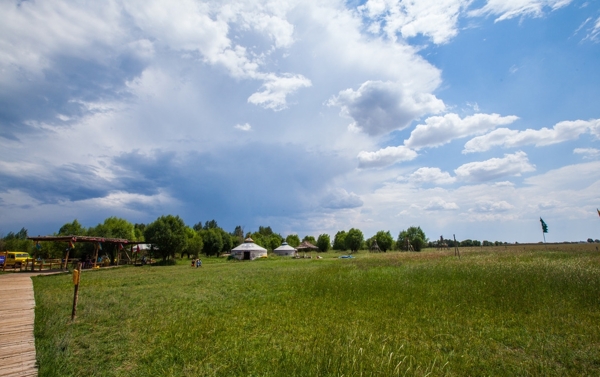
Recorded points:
(285, 250)
(248, 250)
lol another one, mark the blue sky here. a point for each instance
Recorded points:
(473, 118)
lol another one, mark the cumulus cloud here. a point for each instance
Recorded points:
(439, 204)
(436, 19)
(440, 130)
(587, 152)
(275, 90)
(491, 206)
(505, 10)
(379, 107)
(339, 198)
(431, 175)
(563, 131)
(510, 165)
(386, 156)
(243, 127)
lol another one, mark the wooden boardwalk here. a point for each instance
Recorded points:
(17, 344)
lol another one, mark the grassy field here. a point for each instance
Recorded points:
(522, 310)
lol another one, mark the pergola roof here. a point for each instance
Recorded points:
(73, 238)
(305, 245)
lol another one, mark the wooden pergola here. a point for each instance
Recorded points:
(95, 240)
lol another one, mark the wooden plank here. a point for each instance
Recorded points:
(17, 343)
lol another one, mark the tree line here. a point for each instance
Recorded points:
(170, 236)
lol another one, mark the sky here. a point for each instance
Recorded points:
(471, 118)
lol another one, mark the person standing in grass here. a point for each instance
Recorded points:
(198, 263)
(193, 262)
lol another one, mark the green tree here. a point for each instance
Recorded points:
(227, 241)
(194, 243)
(385, 241)
(293, 240)
(72, 229)
(415, 235)
(112, 227)
(310, 239)
(339, 241)
(167, 233)
(354, 239)
(212, 224)
(17, 242)
(323, 242)
(213, 242)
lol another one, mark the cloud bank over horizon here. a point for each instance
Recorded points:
(310, 117)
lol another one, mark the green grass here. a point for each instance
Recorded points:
(493, 312)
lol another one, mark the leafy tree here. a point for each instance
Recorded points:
(274, 241)
(384, 240)
(239, 231)
(167, 233)
(265, 230)
(293, 240)
(323, 242)
(17, 242)
(213, 242)
(415, 235)
(339, 241)
(72, 229)
(212, 224)
(227, 241)
(354, 239)
(138, 230)
(466, 243)
(310, 239)
(194, 243)
(198, 226)
(112, 227)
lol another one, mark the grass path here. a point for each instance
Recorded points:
(489, 313)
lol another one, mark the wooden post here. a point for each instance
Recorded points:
(76, 278)
(456, 252)
(95, 254)
(66, 259)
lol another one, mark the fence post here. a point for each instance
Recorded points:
(76, 279)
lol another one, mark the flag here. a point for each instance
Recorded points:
(37, 245)
(598, 211)
(120, 246)
(71, 244)
(99, 246)
(138, 248)
(544, 226)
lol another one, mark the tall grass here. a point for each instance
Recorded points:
(490, 313)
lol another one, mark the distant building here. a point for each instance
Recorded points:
(285, 250)
(248, 250)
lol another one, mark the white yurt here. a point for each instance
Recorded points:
(285, 250)
(248, 250)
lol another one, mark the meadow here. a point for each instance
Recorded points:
(519, 310)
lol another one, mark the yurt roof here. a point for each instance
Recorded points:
(248, 245)
(284, 247)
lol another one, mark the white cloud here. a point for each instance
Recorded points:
(243, 127)
(510, 165)
(379, 107)
(563, 131)
(275, 90)
(491, 206)
(440, 130)
(431, 175)
(439, 204)
(436, 19)
(386, 156)
(507, 9)
(339, 199)
(587, 152)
